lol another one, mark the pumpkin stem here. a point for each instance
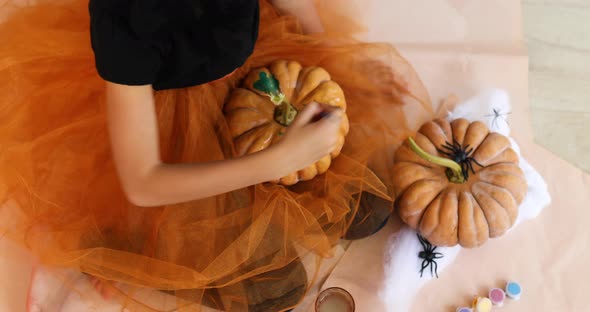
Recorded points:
(454, 171)
(277, 99)
(285, 113)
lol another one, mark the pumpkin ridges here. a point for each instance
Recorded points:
(345, 126)
(507, 176)
(506, 180)
(476, 133)
(430, 218)
(496, 216)
(297, 92)
(483, 233)
(308, 173)
(405, 153)
(245, 142)
(446, 128)
(313, 76)
(467, 228)
(426, 144)
(286, 72)
(493, 145)
(262, 142)
(238, 127)
(243, 98)
(449, 214)
(416, 197)
(326, 92)
(243, 107)
(459, 128)
(504, 168)
(323, 164)
(435, 134)
(405, 173)
(506, 156)
(338, 147)
(503, 197)
(442, 230)
(290, 179)
(473, 227)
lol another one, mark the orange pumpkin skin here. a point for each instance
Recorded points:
(447, 213)
(250, 113)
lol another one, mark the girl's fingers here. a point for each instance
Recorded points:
(306, 115)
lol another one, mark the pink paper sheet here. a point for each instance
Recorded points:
(547, 255)
(462, 47)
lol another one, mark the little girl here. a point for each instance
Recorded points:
(132, 177)
(193, 43)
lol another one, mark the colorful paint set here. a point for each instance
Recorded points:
(496, 297)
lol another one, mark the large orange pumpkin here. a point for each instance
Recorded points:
(259, 112)
(458, 183)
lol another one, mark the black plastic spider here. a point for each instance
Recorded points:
(498, 114)
(460, 155)
(429, 255)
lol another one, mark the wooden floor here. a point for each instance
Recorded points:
(558, 38)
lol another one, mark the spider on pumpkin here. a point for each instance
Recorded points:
(460, 155)
(429, 256)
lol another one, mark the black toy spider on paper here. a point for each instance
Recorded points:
(429, 256)
(460, 155)
(498, 114)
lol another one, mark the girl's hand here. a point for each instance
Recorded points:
(308, 139)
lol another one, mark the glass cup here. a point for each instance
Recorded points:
(334, 299)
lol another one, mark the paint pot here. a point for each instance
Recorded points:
(482, 304)
(497, 296)
(334, 299)
(513, 290)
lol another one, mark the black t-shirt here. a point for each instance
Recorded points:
(171, 43)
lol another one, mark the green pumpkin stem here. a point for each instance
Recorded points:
(454, 172)
(284, 113)
(269, 85)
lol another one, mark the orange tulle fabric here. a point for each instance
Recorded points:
(60, 196)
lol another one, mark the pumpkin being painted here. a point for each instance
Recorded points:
(259, 112)
(458, 183)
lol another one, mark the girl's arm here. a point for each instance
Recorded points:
(304, 10)
(149, 182)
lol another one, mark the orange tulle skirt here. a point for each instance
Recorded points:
(240, 251)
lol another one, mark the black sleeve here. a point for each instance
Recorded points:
(121, 56)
